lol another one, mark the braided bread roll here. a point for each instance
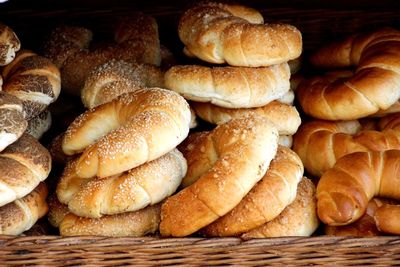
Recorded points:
(34, 80)
(219, 33)
(266, 200)
(116, 77)
(375, 85)
(297, 219)
(9, 44)
(22, 214)
(137, 223)
(12, 119)
(321, 143)
(285, 117)
(132, 129)
(344, 191)
(230, 87)
(239, 152)
(23, 165)
(145, 185)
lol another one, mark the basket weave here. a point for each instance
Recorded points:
(100, 251)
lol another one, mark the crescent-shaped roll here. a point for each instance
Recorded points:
(230, 87)
(239, 152)
(132, 129)
(144, 185)
(266, 200)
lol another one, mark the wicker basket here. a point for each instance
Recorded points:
(318, 25)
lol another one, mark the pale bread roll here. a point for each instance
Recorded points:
(230, 87)
(144, 185)
(9, 44)
(134, 224)
(132, 129)
(286, 118)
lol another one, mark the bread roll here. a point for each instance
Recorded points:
(230, 87)
(239, 152)
(365, 226)
(374, 86)
(145, 185)
(22, 214)
(321, 143)
(285, 118)
(297, 219)
(285, 140)
(387, 219)
(134, 224)
(12, 119)
(343, 192)
(233, 34)
(9, 44)
(23, 165)
(34, 80)
(114, 78)
(266, 200)
(133, 129)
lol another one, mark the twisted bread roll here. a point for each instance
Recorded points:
(365, 226)
(12, 119)
(321, 143)
(239, 152)
(23, 165)
(114, 78)
(266, 200)
(9, 44)
(219, 33)
(285, 118)
(34, 80)
(22, 214)
(133, 129)
(145, 185)
(65, 41)
(230, 87)
(138, 223)
(375, 85)
(38, 125)
(297, 219)
(344, 191)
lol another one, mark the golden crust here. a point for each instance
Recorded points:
(240, 151)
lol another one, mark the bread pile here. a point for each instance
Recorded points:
(239, 180)
(135, 41)
(356, 162)
(30, 84)
(124, 163)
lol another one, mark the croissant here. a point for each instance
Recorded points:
(321, 143)
(374, 86)
(343, 192)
